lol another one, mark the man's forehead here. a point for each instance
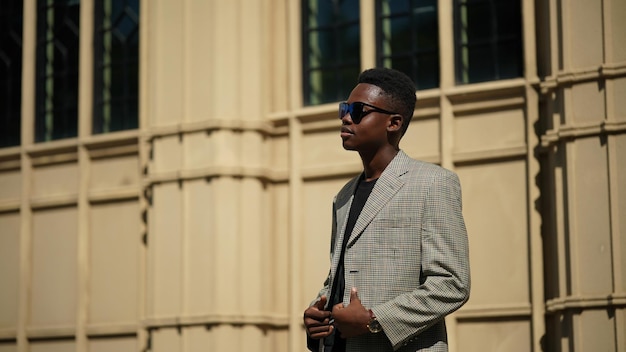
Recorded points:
(370, 92)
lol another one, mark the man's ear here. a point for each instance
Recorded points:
(395, 123)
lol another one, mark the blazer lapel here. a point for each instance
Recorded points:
(386, 187)
(343, 204)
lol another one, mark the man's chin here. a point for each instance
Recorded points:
(348, 146)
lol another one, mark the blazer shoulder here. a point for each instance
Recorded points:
(347, 190)
(433, 170)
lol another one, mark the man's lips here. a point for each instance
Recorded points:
(345, 131)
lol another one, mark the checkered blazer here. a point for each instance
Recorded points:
(407, 255)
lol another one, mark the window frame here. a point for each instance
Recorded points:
(11, 24)
(105, 68)
(461, 44)
(338, 69)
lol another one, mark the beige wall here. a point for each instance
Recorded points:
(207, 229)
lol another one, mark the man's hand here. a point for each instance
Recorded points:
(352, 320)
(317, 320)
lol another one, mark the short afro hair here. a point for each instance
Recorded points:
(397, 86)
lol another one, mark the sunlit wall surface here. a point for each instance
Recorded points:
(167, 167)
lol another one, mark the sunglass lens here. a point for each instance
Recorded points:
(355, 110)
(343, 109)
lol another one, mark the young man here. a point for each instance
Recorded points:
(399, 251)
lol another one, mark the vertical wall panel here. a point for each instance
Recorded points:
(277, 45)
(167, 154)
(252, 40)
(200, 248)
(586, 41)
(9, 268)
(618, 28)
(620, 195)
(278, 254)
(165, 248)
(200, 95)
(594, 330)
(252, 273)
(226, 147)
(11, 182)
(278, 153)
(198, 339)
(590, 218)
(228, 292)
(619, 92)
(252, 151)
(166, 74)
(54, 269)
(166, 340)
(587, 103)
(228, 337)
(226, 69)
(198, 152)
(494, 205)
(115, 238)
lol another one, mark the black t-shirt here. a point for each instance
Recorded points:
(361, 194)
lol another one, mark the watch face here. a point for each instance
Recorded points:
(374, 326)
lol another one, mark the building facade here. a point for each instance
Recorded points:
(167, 167)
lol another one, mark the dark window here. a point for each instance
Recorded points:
(10, 71)
(488, 40)
(330, 50)
(116, 66)
(57, 69)
(407, 39)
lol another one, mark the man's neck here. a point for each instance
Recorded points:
(374, 164)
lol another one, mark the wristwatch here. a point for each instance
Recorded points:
(373, 325)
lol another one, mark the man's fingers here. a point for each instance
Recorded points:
(336, 308)
(318, 331)
(354, 294)
(321, 303)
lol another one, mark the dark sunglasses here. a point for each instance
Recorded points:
(356, 111)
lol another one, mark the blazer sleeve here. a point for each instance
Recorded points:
(445, 278)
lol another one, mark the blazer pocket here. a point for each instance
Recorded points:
(396, 242)
(392, 223)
